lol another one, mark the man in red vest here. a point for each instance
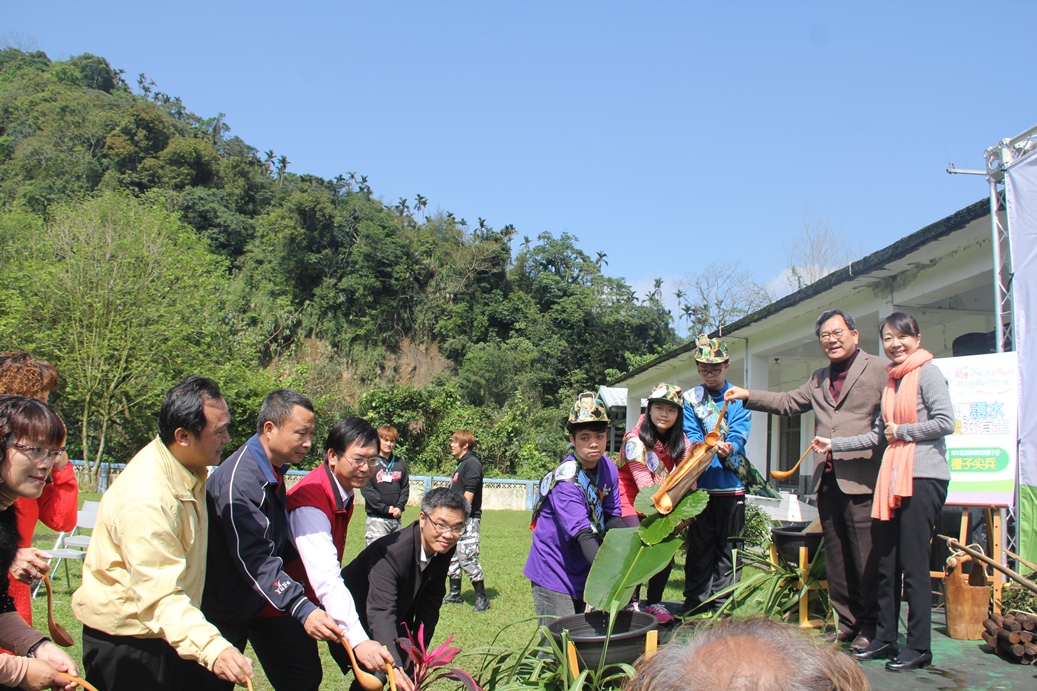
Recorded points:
(319, 508)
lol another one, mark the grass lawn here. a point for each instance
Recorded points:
(505, 543)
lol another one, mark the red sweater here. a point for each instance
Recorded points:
(56, 507)
(318, 490)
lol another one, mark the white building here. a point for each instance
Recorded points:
(942, 274)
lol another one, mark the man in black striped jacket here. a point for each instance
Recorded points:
(248, 595)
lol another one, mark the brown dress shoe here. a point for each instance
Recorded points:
(860, 643)
(835, 637)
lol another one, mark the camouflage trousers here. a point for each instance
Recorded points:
(377, 527)
(466, 558)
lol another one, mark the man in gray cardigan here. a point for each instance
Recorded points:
(845, 397)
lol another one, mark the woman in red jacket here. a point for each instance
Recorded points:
(23, 375)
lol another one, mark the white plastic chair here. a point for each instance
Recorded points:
(73, 545)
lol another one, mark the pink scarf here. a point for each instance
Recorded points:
(899, 406)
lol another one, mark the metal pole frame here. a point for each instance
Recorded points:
(998, 158)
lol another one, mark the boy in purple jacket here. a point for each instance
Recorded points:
(579, 501)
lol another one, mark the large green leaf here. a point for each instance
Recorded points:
(623, 561)
(656, 528)
(643, 501)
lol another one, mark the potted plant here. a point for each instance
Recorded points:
(543, 663)
(627, 557)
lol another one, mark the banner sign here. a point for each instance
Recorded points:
(1021, 200)
(982, 451)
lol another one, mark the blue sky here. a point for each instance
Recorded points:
(666, 134)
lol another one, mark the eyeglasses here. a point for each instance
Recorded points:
(365, 462)
(443, 529)
(712, 372)
(832, 335)
(38, 453)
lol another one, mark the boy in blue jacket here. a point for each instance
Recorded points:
(715, 532)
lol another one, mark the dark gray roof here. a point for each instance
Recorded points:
(874, 261)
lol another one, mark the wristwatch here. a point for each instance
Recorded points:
(37, 644)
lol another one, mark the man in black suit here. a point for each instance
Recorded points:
(401, 578)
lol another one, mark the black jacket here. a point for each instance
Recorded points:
(390, 588)
(468, 478)
(388, 487)
(249, 541)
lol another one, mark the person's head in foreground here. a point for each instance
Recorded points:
(442, 519)
(588, 426)
(749, 654)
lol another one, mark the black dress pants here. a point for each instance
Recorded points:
(289, 656)
(902, 544)
(849, 563)
(128, 663)
(712, 538)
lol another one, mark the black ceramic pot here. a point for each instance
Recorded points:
(790, 537)
(587, 632)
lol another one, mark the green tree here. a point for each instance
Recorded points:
(96, 73)
(125, 299)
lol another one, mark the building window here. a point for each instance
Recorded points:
(788, 446)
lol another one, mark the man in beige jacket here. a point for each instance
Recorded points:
(845, 397)
(145, 566)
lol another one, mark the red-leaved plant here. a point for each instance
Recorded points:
(430, 666)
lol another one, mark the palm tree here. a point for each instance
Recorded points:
(601, 259)
(420, 203)
(268, 158)
(657, 289)
(363, 186)
(689, 312)
(508, 232)
(525, 243)
(219, 127)
(282, 167)
(145, 85)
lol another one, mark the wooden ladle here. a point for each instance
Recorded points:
(389, 673)
(82, 682)
(714, 436)
(786, 474)
(366, 679)
(58, 634)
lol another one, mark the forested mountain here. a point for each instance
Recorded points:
(140, 242)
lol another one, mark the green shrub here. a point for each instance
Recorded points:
(757, 532)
